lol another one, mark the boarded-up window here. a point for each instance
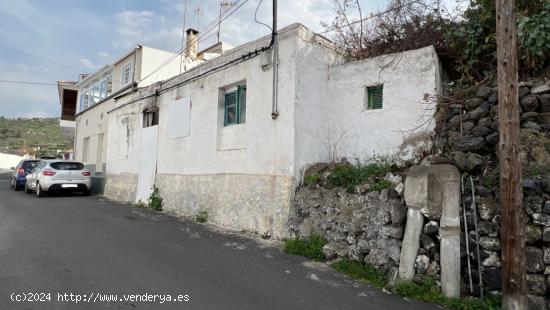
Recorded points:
(179, 118)
(374, 97)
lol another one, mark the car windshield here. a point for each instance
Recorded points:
(28, 165)
(67, 166)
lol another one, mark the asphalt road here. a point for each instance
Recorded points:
(90, 246)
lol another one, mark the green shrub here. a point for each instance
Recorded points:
(350, 176)
(155, 201)
(427, 291)
(310, 247)
(202, 216)
(361, 271)
(534, 37)
(380, 185)
(311, 179)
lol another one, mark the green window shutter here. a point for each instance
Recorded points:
(241, 104)
(230, 108)
(375, 97)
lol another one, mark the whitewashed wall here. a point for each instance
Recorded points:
(244, 175)
(311, 121)
(406, 77)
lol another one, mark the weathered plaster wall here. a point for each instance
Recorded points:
(256, 203)
(244, 175)
(91, 124)
(241, 173)
(119, 186)
(406, 78)
(311, 122)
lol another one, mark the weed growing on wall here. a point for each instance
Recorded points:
(202, 216)
(310, 247)
(155, 201)
(380, 185)
(349, 176)
(312, 179)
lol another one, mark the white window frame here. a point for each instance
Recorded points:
(123, 80)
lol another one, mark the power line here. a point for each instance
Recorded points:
(200, 38)
(26, 82)
(256, 17)
(41, 58)
(369, 17)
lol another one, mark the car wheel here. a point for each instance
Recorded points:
(15, 187)
(39, 191)
(27, 189)
(11, 182)
(87, 192)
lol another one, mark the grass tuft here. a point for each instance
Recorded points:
(361, 271)
(380, 185)
(202, 216)
(350, 176)
(310, 247)
(427, 291)
(311, 179)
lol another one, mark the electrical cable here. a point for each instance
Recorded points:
(42, 58)
(26, 82)
(256, 17)
(200, 38)
(369, 17)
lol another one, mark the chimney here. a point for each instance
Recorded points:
(192, 43)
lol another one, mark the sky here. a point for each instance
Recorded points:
(85, 35)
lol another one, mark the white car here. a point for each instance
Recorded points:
(58, 175)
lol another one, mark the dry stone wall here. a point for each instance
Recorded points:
(369, 227)
(467, 135)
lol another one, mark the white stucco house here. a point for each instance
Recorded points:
(85, 103)
(212, 139)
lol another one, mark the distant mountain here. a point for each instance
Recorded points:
(39, 136)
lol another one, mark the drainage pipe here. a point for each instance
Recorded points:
(274, 64)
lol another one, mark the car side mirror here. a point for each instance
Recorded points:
(12, 168)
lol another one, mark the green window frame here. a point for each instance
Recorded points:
(235, 106)
(374, 97)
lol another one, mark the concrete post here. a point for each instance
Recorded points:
(449, 231)
(411, 243)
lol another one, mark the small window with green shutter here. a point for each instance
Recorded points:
(235, 106)
(373, 97)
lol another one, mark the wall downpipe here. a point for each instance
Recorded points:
(275, 65)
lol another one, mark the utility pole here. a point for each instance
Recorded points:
(511, 195)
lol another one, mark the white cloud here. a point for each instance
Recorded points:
(88, 63)
(103, 54)
(133, 23)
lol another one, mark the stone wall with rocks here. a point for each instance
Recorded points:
(366, 227)
(467, 136)
(369, 226)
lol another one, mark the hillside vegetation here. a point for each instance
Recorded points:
(39, 136)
